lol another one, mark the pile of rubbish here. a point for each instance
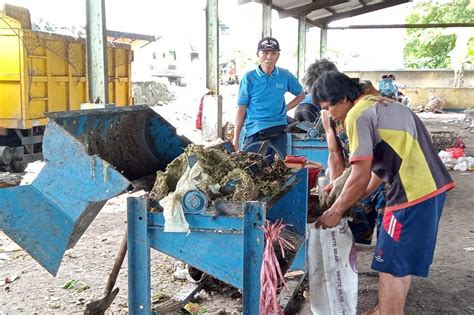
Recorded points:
(151, 93)
(236, 177)
(435, 105)
(451, 152)
(454, 159)
(204, 176)
(445, 139)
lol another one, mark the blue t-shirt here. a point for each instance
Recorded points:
(264, 97)
(387, 87)
(307, 110)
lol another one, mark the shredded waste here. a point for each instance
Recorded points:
(236, 177)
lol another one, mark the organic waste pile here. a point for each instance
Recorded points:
(236, 177)
(151, 93)
(443, 139)
(435, 105)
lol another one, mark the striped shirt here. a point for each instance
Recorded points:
(400, 146)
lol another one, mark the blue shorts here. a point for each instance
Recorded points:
(407, 240)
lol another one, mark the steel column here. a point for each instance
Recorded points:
(267, 18)
(323, 42)
(254, 243)
(139, 299)
(301, 45)
(96, 44)
(212, 44)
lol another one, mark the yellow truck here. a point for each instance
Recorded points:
(42, 72)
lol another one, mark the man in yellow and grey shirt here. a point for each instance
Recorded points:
(389, 143)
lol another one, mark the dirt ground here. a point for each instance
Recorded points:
(26, 288)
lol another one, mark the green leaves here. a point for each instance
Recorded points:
(429, 48)
(79, 286)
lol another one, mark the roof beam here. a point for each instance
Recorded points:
(426, 25)
(275, 7)
(132, 36)
(314, 23)
(307, 8)
(364, 9)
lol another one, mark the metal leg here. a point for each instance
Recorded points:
(254, 242)
(139, 300)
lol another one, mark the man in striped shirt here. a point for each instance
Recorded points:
(389, 143)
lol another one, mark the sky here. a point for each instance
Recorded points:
(351, 49)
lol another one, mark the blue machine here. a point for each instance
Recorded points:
(94, 155)
(91, 156)
(308, 142)
(226, 241)
(194, 201)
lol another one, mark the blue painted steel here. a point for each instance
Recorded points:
(165, 142)
(134, 140)
(90, 156)
(139, 295)
(194, 201)
(221, 223)
(314, 149)
(292, 208)
(254, 243)
(313, 133)
(217, 252)
(48, 216)
(229, 248)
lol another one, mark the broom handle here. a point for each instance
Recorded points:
(118, 264)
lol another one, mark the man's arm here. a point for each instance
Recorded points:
(295, 101)
(336, 158)
(352, 192)
(239, 122)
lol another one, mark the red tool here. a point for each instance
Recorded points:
(294, 161)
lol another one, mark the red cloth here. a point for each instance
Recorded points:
(199, 115)
(313, 174)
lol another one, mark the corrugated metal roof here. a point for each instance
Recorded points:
(322, 12)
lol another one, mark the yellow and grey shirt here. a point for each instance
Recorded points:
(399, 144)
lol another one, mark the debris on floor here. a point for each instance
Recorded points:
(443, 139)
(458, 163)
(435, 105)
(151, 93)
(10, 179)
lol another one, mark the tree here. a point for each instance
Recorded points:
(430, 48)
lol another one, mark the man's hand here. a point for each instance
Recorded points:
(239, 122)
(332, 191)
(236, 145)
(328, 188)
(330, 218)
(325, 119)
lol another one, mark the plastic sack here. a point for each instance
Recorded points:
(173, 212)
(332, 270)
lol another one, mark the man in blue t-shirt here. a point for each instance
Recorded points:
(261, 100)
